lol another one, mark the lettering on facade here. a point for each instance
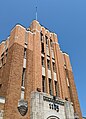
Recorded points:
(54, 106)
(53, 103)
(52, 100)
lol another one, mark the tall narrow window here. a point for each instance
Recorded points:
(52, 51)
(2, 55)
(0, 63)
(51, 42)
(56, 88)
(42, 47)
(46, 38)
(54, 67)
(67, 79)
(23, 77)
(0, 85)
(42, 59)
(41, 36)
(48, 64)
(6, 52)
(25, 53)
(2, 60)
(43, 83)
(50, 86)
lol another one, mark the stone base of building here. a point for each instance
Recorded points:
(44, 106)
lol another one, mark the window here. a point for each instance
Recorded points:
(47, 51)
(54, 67)
(52, 51)
(50, 86)
(42, 59)
(56, 88)
(43, 83)
(0, 85)
(6, 52)
(65, 67)
(2, 60)
(53, 117)
(0, 63)
(23, 77)
(42, 47)
(51, 42)
(2, 55)
(41, 36)
(46, 39)
(48, 64)
(67, 79)
(25, 53)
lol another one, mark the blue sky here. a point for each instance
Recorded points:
(67, 18)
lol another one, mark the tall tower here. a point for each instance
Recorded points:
(36, 78)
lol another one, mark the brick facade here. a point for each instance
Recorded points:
(20, 60)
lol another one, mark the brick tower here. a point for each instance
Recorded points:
(36, 78)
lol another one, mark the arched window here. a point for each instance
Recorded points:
(53, 117)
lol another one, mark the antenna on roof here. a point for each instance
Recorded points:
(36, 10)
(36, 13)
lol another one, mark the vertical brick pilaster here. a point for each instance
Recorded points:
(14, 83)
(29, 81)
(74, 95)
(37, 68)
(56, 50)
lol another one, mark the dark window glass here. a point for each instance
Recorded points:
(0, 85)
(25, 53)
(43, 83)
(23, 76)
(48, 64)
(42, 47)
(41, 37)
(2, 60)
(54, 67)
(2, 55)
(42, 59)
(46, 38)
(6, 52)
(56, 88)
(50, 86)
(51, 42)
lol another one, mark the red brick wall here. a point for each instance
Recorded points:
(74, 95)
(13, 91)
(11, 72)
